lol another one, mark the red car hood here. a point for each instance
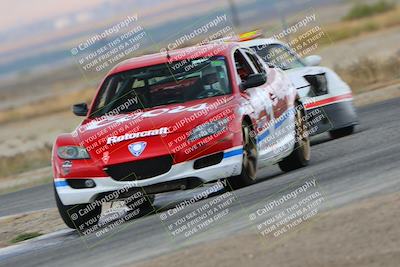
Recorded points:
(174, 118)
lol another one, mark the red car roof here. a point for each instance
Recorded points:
(221, 49)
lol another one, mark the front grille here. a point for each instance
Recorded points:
(139, 170)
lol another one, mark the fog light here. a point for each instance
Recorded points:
(81, 183)
(89, 183)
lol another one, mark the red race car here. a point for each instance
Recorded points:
(176, 120)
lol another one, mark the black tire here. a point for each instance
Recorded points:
(249, 162)
(300, 155)
(68, 211)
(342, 132)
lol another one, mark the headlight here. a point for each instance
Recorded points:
(318, 84)
(208, 129)
(72, 152)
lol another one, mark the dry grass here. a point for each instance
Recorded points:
(361, 10)
(25, 236)
(46, 106)
(366, 72)
(26, 161)
(349, 29)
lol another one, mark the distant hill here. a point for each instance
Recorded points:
(47, 42)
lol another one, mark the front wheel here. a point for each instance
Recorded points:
(79, 217)
(249, 161)
(300, 155)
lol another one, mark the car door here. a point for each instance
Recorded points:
(260, 99)
(280, 90)
(278, 94)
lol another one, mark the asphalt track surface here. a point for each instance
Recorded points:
(346, 170)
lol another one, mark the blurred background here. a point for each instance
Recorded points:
(42, 51)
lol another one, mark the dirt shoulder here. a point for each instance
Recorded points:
(25, 180)
(377, 95)
(40, 222)
(382, 44)
(361, 234)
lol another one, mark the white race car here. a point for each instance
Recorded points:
(320, 88)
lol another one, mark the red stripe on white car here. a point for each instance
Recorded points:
(329, 100)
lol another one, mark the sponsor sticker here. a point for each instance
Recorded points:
(130, 136)
(66, 167)
(106, 157)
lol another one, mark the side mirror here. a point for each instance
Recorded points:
(80, 109)
(312, 60)
(254, 80)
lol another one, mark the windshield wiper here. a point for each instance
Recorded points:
(174, 101)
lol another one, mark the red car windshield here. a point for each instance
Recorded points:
(176, 82)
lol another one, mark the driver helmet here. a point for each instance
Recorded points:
(209, 76)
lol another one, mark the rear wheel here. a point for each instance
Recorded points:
(300, 155)
(80, 216)
(342, 132)
(249, 162)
